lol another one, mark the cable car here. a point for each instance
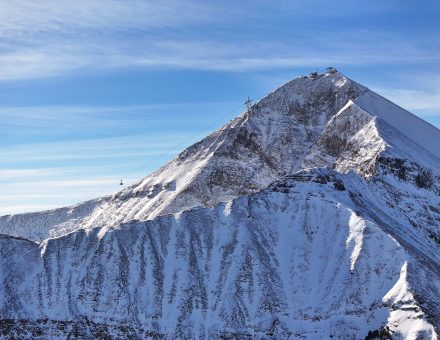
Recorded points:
(121, 183)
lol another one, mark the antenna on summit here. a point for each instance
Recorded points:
(248, 103)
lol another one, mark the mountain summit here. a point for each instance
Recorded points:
(243, 156)
(314, 215)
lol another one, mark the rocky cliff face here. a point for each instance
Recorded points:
(318, 217)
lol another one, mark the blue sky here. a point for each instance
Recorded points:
(91, 91)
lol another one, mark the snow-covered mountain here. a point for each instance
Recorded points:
(314, 216)
(243, 156)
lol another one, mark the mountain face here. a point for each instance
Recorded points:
(315, 215)
(243, 156)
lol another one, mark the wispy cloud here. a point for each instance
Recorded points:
(57, 172)
(54, 60)
(60, 112)
(119, 148)
(57, 189)
(423, 97)
(30, 157)
(424, 101)
(97, 119)
(95, 182)
(20, 174)
(48, 38)
(18, 209)
(70, 16)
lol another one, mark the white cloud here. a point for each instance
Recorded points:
(29, 157)
(119, 148)
(422, 96)
(414, 100)
(70, 16)
(40, 193)
(55, 60)
(65, 173)
(20, 174)
(48, 38)
(85, 182)
(142, 123)
(90, 113)
(18, 209)
(52, 38)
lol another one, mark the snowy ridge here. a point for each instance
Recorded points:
(362, 151)
(338, 132)
(415, 128)
(249, 268)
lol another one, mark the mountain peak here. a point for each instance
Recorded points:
(307, 122)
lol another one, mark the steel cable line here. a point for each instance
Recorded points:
(124, 177)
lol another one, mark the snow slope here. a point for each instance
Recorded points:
(415, 128)
(300, 259)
